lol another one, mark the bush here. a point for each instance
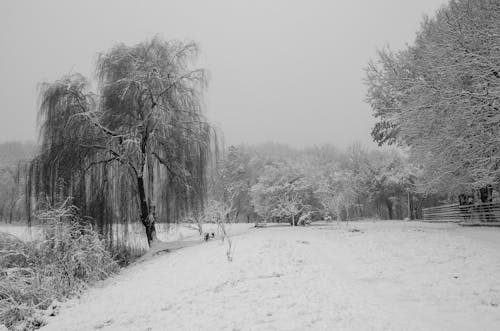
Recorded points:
(66, 258)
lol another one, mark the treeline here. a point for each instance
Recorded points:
(276, 182)
(14, 157)
(272, 182)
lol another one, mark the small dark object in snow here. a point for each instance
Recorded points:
(355, 230)
(209, 235)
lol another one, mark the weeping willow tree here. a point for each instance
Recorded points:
(136, 150)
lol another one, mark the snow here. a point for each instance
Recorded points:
(136, 238)
(386, 276)
(20, 230)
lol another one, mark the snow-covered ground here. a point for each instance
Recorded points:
(136, 237)
(386, 276)
(19, 230)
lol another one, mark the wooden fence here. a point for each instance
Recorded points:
(475, 213)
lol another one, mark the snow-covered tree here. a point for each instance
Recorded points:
(281, 193)
(136, 150)
(441, 97)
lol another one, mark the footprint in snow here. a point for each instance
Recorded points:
(104, 324)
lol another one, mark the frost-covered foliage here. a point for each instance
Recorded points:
(65, 259)
(13, 159)
(369, 184)
(12, 193)
(220, 213)
(297, 186)
(283, 192)
(441, 97)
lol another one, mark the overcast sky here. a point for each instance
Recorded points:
(283, 71)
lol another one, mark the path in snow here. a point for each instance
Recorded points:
(388, 276)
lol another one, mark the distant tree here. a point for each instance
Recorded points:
(266, 192)
(233, 178)
(364, 183)
(391, 181)
(12, 196)
(290, 206)
(283, 192)
(139, 147)
(13, 158)
(356, 177)
(327, 191)
(344, 194)
(219, 212)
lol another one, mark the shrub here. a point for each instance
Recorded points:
(66, 258)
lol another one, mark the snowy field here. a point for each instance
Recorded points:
(371, 276)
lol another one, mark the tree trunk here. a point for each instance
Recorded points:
(389, 208)
(360, 208)
(147, 220)
(408, 206)
(418, 208)
(11, 212)
(151, 233)
(411, 209)
(400, 207)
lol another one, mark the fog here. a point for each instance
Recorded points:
(284, 71)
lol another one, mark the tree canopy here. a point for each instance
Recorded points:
(441, 97)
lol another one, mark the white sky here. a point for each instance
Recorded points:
(285, 71)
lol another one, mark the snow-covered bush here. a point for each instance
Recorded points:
(219, 212)
(68, 256)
